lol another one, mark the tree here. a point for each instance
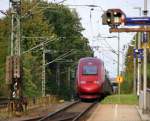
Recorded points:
(39, 23)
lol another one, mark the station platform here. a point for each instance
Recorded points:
(115, 112)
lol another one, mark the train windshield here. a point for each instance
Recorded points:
(88, 70)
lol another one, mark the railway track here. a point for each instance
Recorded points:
(4, 102)
(72, 112)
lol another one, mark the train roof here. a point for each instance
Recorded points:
(90, 58)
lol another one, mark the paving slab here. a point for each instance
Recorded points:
(115, 112)
(144, 117)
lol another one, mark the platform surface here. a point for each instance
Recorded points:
(115, 112)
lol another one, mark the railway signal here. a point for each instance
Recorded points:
(13, 75)
(106, 18)
(15, 90)
(140, 21)
(113, 17)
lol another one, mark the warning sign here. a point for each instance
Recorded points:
(119, 79)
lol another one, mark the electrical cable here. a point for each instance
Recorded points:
(60, 57)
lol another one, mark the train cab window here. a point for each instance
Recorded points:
(88, 70)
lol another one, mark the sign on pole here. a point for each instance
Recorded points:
(137, 21)
(119, 79)
(129, 30)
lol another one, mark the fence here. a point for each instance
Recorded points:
(141, 100)
(34, 102)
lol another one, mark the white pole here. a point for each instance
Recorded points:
(43, 72)
(139, 67)
(145, 64)
(134, 80)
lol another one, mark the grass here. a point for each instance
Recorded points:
(124, 99)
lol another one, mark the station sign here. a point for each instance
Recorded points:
(138, 53)
(144, 36)
(137, 21)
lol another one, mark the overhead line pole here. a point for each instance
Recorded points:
(139, 59)
(13, 62)
(145, 62)
(43, 71)
(139, 67)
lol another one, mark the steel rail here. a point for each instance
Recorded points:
(58, 111)
(4, 102)
(72, 117)
(33, 119)
(44, 117)
(84, 112)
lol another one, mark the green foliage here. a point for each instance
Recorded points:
(122, 99)
(127, 85)
(4, 49)
(46, 21)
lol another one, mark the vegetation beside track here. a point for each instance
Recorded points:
(124, 99)
(42, 22)
(127, 85)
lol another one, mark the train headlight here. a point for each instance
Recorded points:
(96, 82)
(82, 82)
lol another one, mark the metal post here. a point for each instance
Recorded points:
(118, 54)
(139, 60)
(118, 70)
(145, 64)
(16, 85)
(145, 77)
(43, 72)
(134, 61)
(69, 70)
(139, 67)
(58, 76)
(12, 31)
(15, 34)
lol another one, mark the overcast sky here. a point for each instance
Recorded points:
(91, 21)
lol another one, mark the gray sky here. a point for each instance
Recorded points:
(91, 21)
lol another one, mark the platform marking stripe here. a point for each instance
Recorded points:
(115, 115)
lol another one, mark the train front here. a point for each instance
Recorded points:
(89, 85)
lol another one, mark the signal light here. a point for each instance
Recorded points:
(113, 17)
(117, 17)
(109, 19)
(14, 94)
(15, 85)
(15, 90)
(115, 13)
(106, 18)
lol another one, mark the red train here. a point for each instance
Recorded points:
(90, 79)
